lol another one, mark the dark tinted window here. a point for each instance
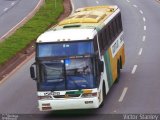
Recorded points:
(104, 38)
(100, 41)
(115, 27)
(120, 22)
(108, 36)
(95, 43)
(109, 33)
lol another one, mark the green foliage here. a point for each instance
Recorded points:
(46, 16)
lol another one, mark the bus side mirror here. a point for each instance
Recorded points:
(33, 71)
(101, 66)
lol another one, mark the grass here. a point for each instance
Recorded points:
(46, 16)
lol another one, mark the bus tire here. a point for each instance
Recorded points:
(103, 95)
(118, 71)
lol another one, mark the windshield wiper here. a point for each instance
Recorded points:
(79, 71)
(55, 80)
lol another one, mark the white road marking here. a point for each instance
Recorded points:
(97, 2)
(25, 18)
(144, 19)
(5, 9)
(127, 0)
(135, 6)
(12, 3)
(141, 11)
(144, 38)
(145, 27)
(134, 69)
(114, 111)
(123, 94)
(140, 51)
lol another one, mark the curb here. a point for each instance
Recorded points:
(23, 21)
(10, 32)
(28, 56)
(16, 69)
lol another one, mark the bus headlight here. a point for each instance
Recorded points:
(44, 97)
(88, 95)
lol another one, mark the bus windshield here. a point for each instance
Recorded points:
(68, 74)
(65, 49)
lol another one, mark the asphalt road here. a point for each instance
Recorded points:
(6, 5)
(12, 12)
(138, 89)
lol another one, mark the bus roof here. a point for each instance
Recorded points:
(66, 35)
(90, 15)
(81, 25)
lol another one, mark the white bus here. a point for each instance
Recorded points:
(78, 60)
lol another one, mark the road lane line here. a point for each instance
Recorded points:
(135, 6)
(134, 69)
(97, 2)
(123, 94)
(145, 27)
(12, 3)
(141, 11)
(144, 38)
(5, 9)
(114, 111)
(140, 51)
(127, 0)
(24, 19)
(144, 19)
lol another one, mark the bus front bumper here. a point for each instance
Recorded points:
(68, 103)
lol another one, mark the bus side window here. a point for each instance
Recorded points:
(115, 28)
(104, 38)
(100, 41)
(110, 33)
(120, 21)
(108, 38)
(117, 24)
(95, 44)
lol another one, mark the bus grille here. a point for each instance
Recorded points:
(67, 96)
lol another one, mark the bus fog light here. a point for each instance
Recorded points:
(87, 95)
(44, 97)
(46, 108)
(46, 105)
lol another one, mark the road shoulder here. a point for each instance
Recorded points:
(11, 66)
